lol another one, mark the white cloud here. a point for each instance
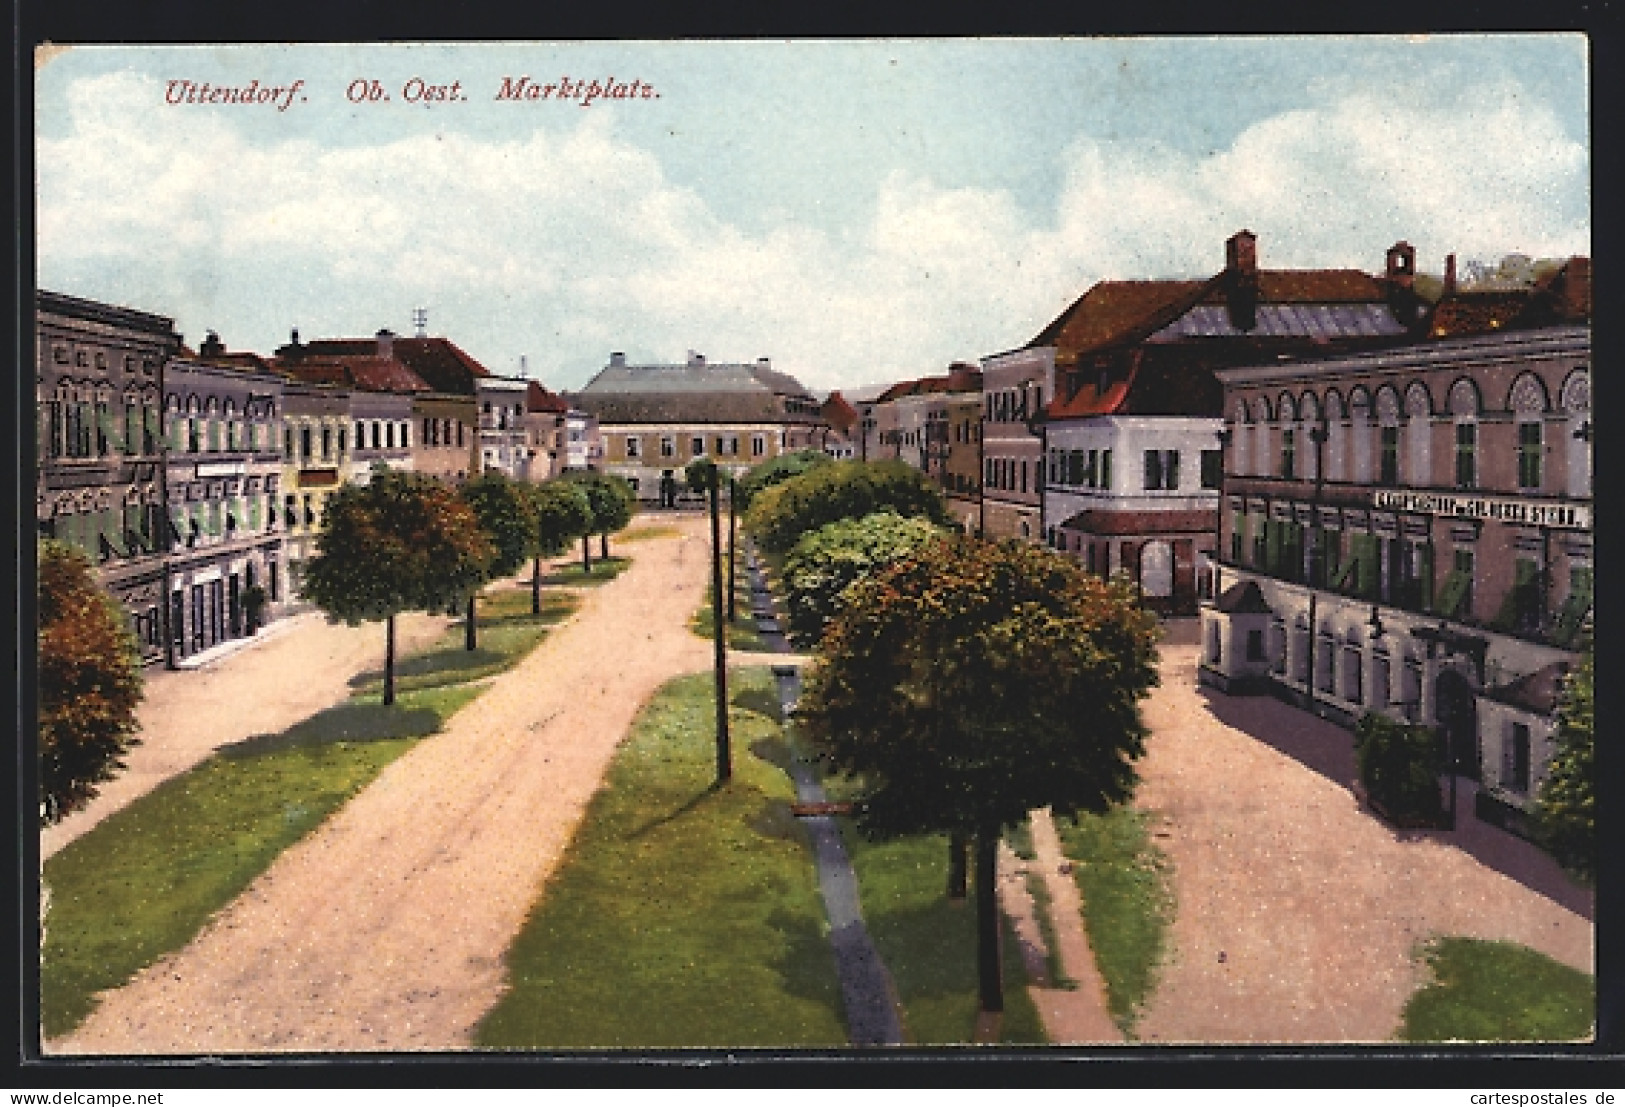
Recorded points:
(566, 246)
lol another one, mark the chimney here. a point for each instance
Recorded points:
(696, 360)
(617, 360)
(1402, 264)
(1241, 279)
(386, 342)
(763, 363)
(212, 346)
(1450, 275)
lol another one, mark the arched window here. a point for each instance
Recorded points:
(1529, 404)
(1353, 689)
(1575, 400)
(1360, 434)
(1464, 408)
(1337, 437)
(1263, 450)
(1240, 438)
(1309, 422)
(1388, 408)
(1287, 410)
(1419, 434)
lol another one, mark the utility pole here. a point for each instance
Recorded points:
(724, 760)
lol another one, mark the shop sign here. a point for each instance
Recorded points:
(1534, 513)
(206, 469)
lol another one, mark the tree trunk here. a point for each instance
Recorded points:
(958, 846)
(989, 983)
(389, 661)
(470, 629)
(535, 586)
(603, 546)
(586, 553)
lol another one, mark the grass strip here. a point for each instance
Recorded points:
(143, 882)
(1043, 907)
(682, 915)
(646, 533)
(742, 632)
(929, 943)
(1484, 991)
(507, 631)
(1127, 903)
(604, 570)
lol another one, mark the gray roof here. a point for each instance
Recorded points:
(1287, 320)
(690, 379)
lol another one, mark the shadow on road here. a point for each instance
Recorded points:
(1328, 749)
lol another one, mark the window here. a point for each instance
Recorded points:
(668, 446)
(304, 443)
(1515, 770)
(1289, 453)
(341, 441)
(1388, 463)
(696, 445)
(389, 435)
(1529, 455)
(632, 446)
(758, 445)
(1255, 645)
(1212, 468)
(1161, 469)
(327, 443)
(1466, 455)
(287, 443)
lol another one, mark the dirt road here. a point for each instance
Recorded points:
(300, 668)
(1298, 912)
(385, 929)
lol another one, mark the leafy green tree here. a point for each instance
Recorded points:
(826, 561)
(612, 500)
(89, 683)
(781, 514)
(968, 683)
(1399, 766)
(777, 471)
(401, 542)
(507, 516)
(697, 474)
(563, 514)
(1566, 807)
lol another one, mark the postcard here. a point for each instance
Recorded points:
(1002, 544)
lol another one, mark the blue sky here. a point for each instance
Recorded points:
(858, 211)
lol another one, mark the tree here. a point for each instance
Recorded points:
(612, 501)
(1399, 766)
(89, 683)
(826, 561)
(401, 542)
(563, 514)
(1566, 806)
(697, 474)
(781, 514)
(968, 683)
(507, 516)
(777, 471)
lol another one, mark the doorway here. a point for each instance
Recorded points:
(1457, 711)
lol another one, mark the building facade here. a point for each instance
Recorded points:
(99, 382)
(446, 445)
(316, 436)
(1015, 387)
(504, 436)
(1409, 532)
(655, 419)
(225, 570)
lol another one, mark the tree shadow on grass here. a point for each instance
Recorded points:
(763, 701)
(807, 964)
(693, 803)
(446, 663)
(347, 722)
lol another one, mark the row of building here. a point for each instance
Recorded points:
(197, 479)
(1377, 500)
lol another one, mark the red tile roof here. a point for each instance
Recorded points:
(838, 413)
(539, 399)
(370, 374)
(438, 362)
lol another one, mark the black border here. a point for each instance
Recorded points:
(1584, 1068)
